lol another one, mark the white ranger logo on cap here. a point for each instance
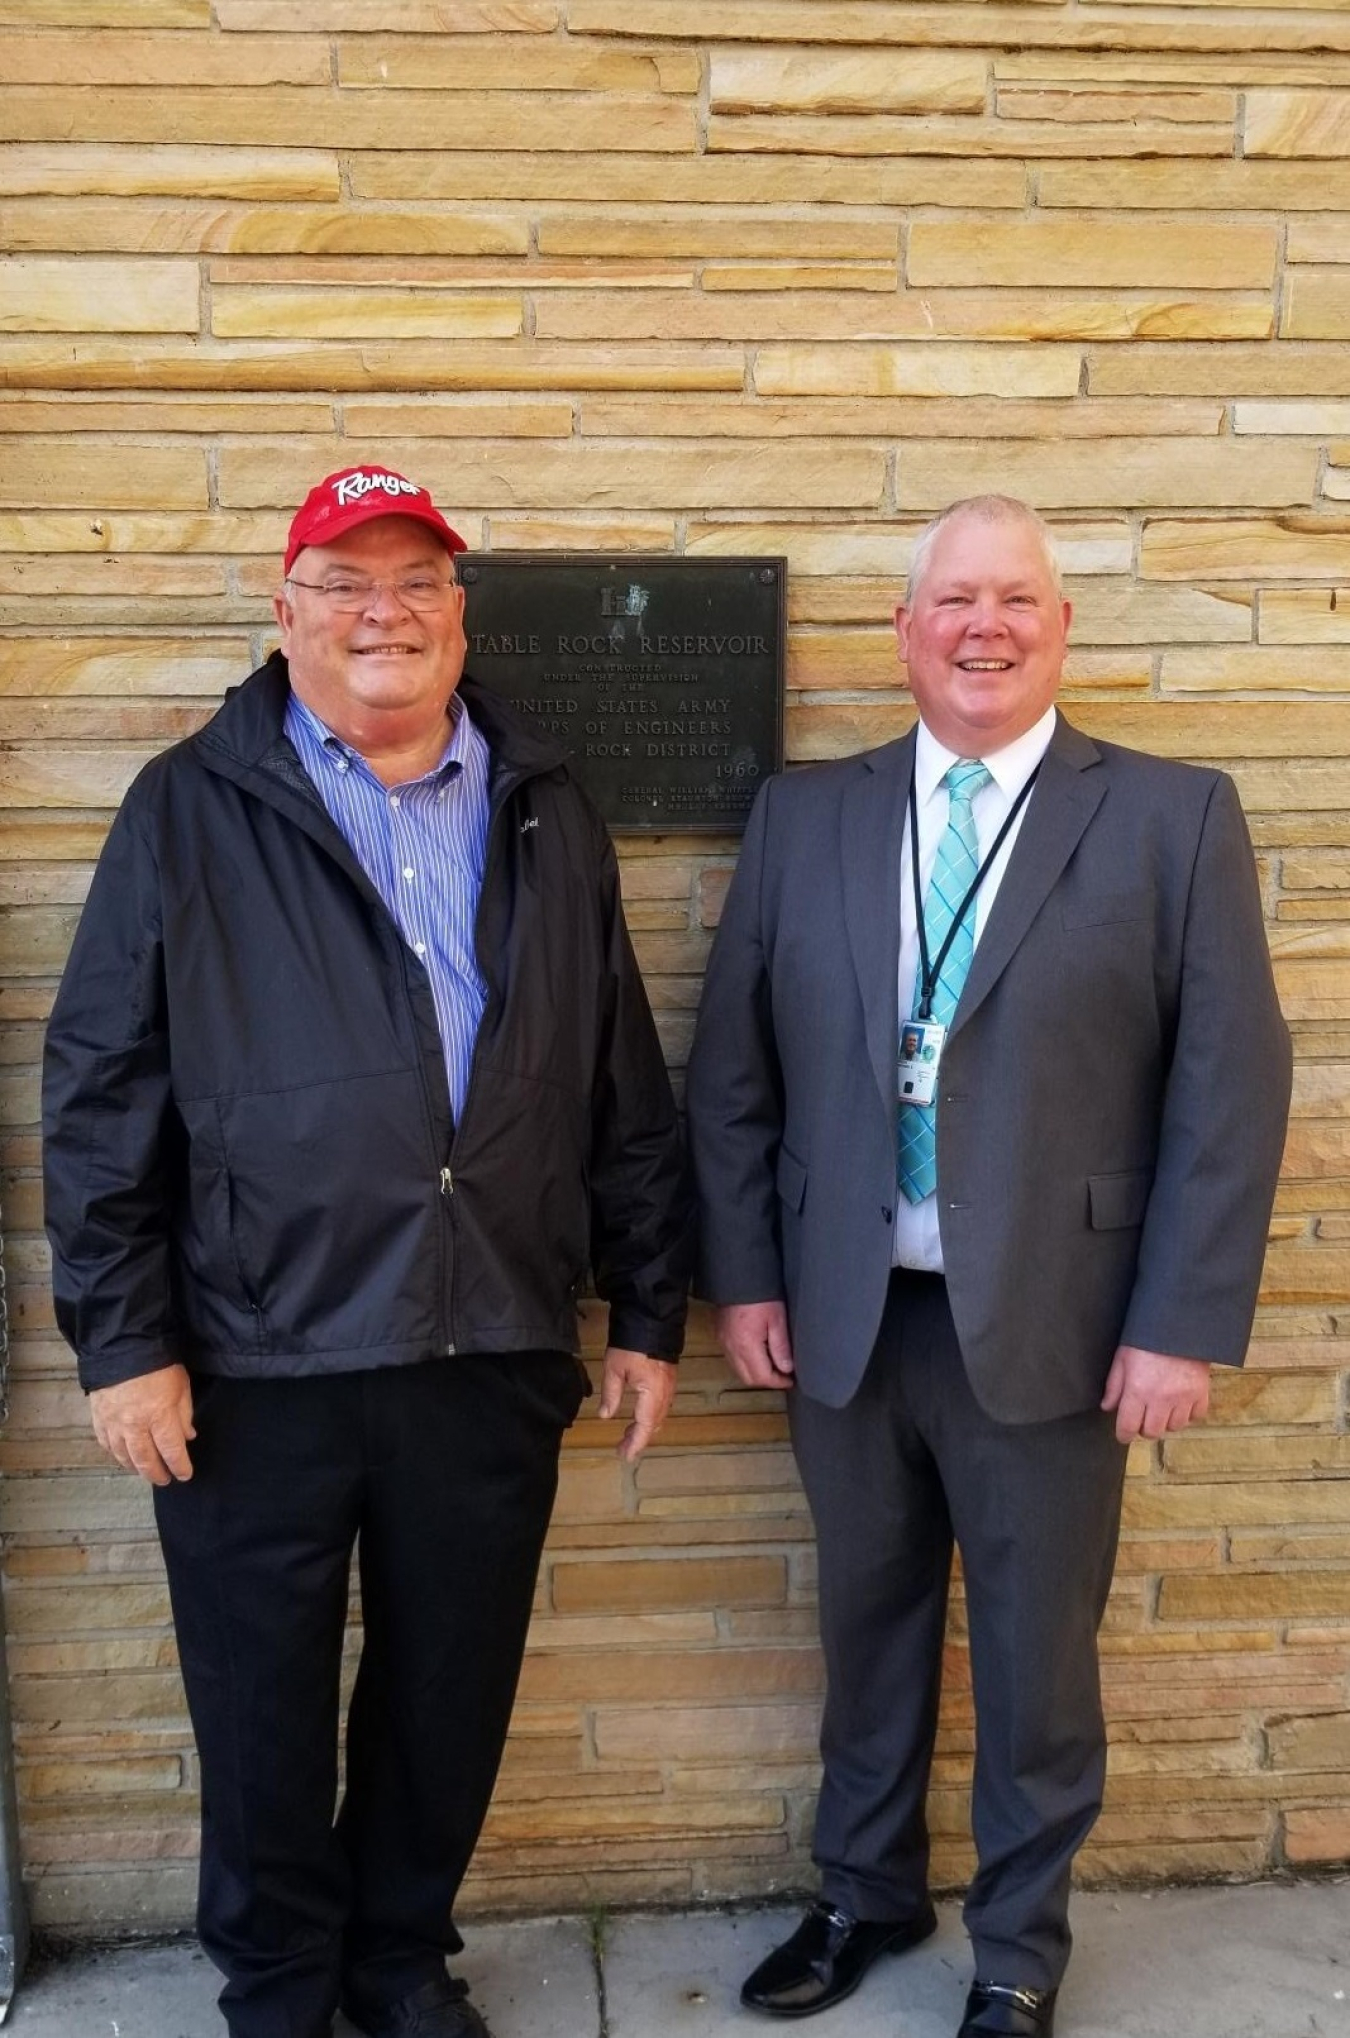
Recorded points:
(352, 487)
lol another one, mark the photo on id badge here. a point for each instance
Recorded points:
(920, 1051)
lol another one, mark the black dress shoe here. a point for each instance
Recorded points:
(996, 2010)
(439, 2009)
(825, 1959)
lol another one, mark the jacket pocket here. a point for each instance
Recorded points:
(791, 1179)
(1106, 909)
(1117, 1201)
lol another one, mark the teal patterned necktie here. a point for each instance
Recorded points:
(958, 859)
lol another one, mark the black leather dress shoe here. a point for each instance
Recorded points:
(439, 2009)
(997, 2010)
(825, 1959)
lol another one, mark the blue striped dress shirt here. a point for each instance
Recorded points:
(422, 846)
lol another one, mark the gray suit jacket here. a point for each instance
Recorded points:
(1114, 1090)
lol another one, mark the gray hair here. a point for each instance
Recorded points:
(989, 509)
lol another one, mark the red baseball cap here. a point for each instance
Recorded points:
(356, 495)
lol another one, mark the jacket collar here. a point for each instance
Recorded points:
(872, 820)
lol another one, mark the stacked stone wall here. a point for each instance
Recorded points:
(708, 277)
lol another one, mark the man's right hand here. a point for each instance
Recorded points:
(146, 1423)
(754, 1336)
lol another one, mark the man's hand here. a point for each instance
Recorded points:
(147, 1424)
(1153, 1393)
(754, 1336)
(653, 1385)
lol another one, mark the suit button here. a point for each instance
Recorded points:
(889, 1215)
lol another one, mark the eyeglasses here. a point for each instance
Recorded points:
(350, 596)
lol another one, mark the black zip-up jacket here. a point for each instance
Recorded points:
(251, 1162)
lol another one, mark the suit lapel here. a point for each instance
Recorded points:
(870, 829)
(1066, 796)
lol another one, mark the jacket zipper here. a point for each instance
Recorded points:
(447, 1181)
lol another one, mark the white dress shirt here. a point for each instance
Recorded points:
(917, 1243)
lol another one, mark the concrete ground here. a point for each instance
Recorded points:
(1268, 1961)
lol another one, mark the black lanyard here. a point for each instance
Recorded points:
(930, 972)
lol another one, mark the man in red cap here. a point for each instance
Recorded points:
(350, 1080)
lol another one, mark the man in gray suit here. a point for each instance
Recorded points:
(987, 1102)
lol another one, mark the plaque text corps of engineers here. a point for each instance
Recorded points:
(662, 675)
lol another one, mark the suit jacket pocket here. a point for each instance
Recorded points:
(791, 1178)
(1105, 909)
(1118, 1201)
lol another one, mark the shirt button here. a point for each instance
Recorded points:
(394, 800)
(409, 872)
(343, 763)
(419, 948)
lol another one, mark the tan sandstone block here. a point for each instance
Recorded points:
(434, 63)
(1107, 611)
(199, 414)
(861, 81)
(348, 314)
(1306, 615)
(448, 418)
(881, 134)
(467, 17)
(965, 417)
(654, 180)
(63, 1782)
(799, 276)
(1228, 187)
(1315, 124)
(116, 58)
(1087, 104)
(917, 371)
(1256, 1596)
(1248, 66)
(120, 666)
(376, 120)
(1200, 370)
(600, 477)
(1308, 419)
(1242, 1397)
(88, 14)
(94, 475)
(1254, 668)
(43, 169)
(1293, 547)
(1317, 1833)
(105, 535)
(1078, 254)
(54, 296)
(284, 230)
(1318, 1742)
(1318, 239)
(692, 1582)
(1316, 305)
(373, 367)
(1020, 26)
(1146, 471)
(1157, 1504)
(663, 233)
(579, 532)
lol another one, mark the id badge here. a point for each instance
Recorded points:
(921, 1043)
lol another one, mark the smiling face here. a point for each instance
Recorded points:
(386, 673)
(983, 633)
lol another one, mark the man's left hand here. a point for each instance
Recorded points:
(653, 1385)
(1152, 1393)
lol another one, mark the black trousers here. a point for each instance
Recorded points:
(446, 1473)
(912, 1465)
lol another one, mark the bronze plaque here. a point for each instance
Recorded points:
(663, 676)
